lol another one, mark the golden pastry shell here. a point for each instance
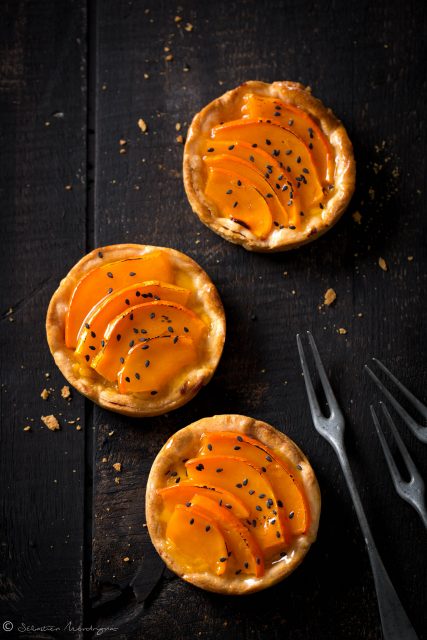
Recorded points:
(94, 386)
(227, 107)
(185, 444)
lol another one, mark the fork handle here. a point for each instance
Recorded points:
(395, 623)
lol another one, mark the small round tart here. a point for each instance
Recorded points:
(137, 329)
(268, 166)
(232, 504)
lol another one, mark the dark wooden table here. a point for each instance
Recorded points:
(75, 78)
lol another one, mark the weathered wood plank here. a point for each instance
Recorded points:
(42, 103)
(365, 62)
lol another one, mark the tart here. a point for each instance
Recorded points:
(268, 166)
(232, 504)
(137, 329)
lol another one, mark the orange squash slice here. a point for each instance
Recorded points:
(184, 492)
(254, 489)
(91, 335)
(138, 324)
(292, 508)
(188, 530)
(106, 280)
(151, 365)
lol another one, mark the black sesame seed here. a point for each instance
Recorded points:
(231, 147)
(170, 329)
(273, 521)
(118, 337)
(267, 141)
(310, 146)
(102, 343)
(175, 340)
(239, 183)
(147, 363)
(305, 170)
(228, 506)
(291, 515)
(110, 275)
(110, 290)
(131, 343)
(87, 325)
(279, 503)
(152, 315)
(291, 226)
(100, 254)
(200, 467)
(258, 560)
(254, 145)
(210, 447)
(299, 467)
(144, 346)
(288, 152)
(237, 572)
(245, 482)
(239, 438)
(135, 330)
(239, 485)
(246, 565)
(321, 205)
(237, 447)
(137, 293)
(192, 521)
(92, 348)
(208, 528)
(137, 376)
(211, 149)
(277, 534)
(285, 187)
(263, 469)
(229, 192)
(127, 301)
(127, 379)
(132, 273)
(219, 470)
(258, 508)
(222, 559)
(186, 329)
(251, 158)
(235, 205)
(154, 393)
(122, 360)
(290, 123)
(187, 504)
(87, 358)
(269, 503)
(261, 495)
(269, 458)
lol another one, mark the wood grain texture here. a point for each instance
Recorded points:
(363, 60)
(358, 60)
(42, 473)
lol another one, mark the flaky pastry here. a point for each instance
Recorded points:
(158, 302)
(268, 166)
(199, 494)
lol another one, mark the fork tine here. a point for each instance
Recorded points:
(312, 398)
(417, 404)
(402, 447)
(394, 471)
(332, 401)
(417, 430)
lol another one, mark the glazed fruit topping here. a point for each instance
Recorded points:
(133, 325)
(272, 168)
(251, 494)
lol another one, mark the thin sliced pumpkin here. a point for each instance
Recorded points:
(91, 335)
(106, 279)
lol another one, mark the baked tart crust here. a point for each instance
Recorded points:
(228, 108)
(98, 389)
(184, 445)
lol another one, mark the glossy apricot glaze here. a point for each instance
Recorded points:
(272, 168)
(234, 508)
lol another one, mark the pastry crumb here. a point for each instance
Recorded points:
(51, 422)
(142, 125)
(122, 142)
(189, 27)
(357, 217)
(410, 258)
(329, 297)
(146, 76)
(110, 433)
(117, 480)
(117, 466)
(169, 57)
(65, 392)
(383, 264)
(177, 19)
(342, 331)
(126, 559)
(27, 428)
(45, 394)
(179, 139)
(78, 428)
(104, 460)
(178, 126)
